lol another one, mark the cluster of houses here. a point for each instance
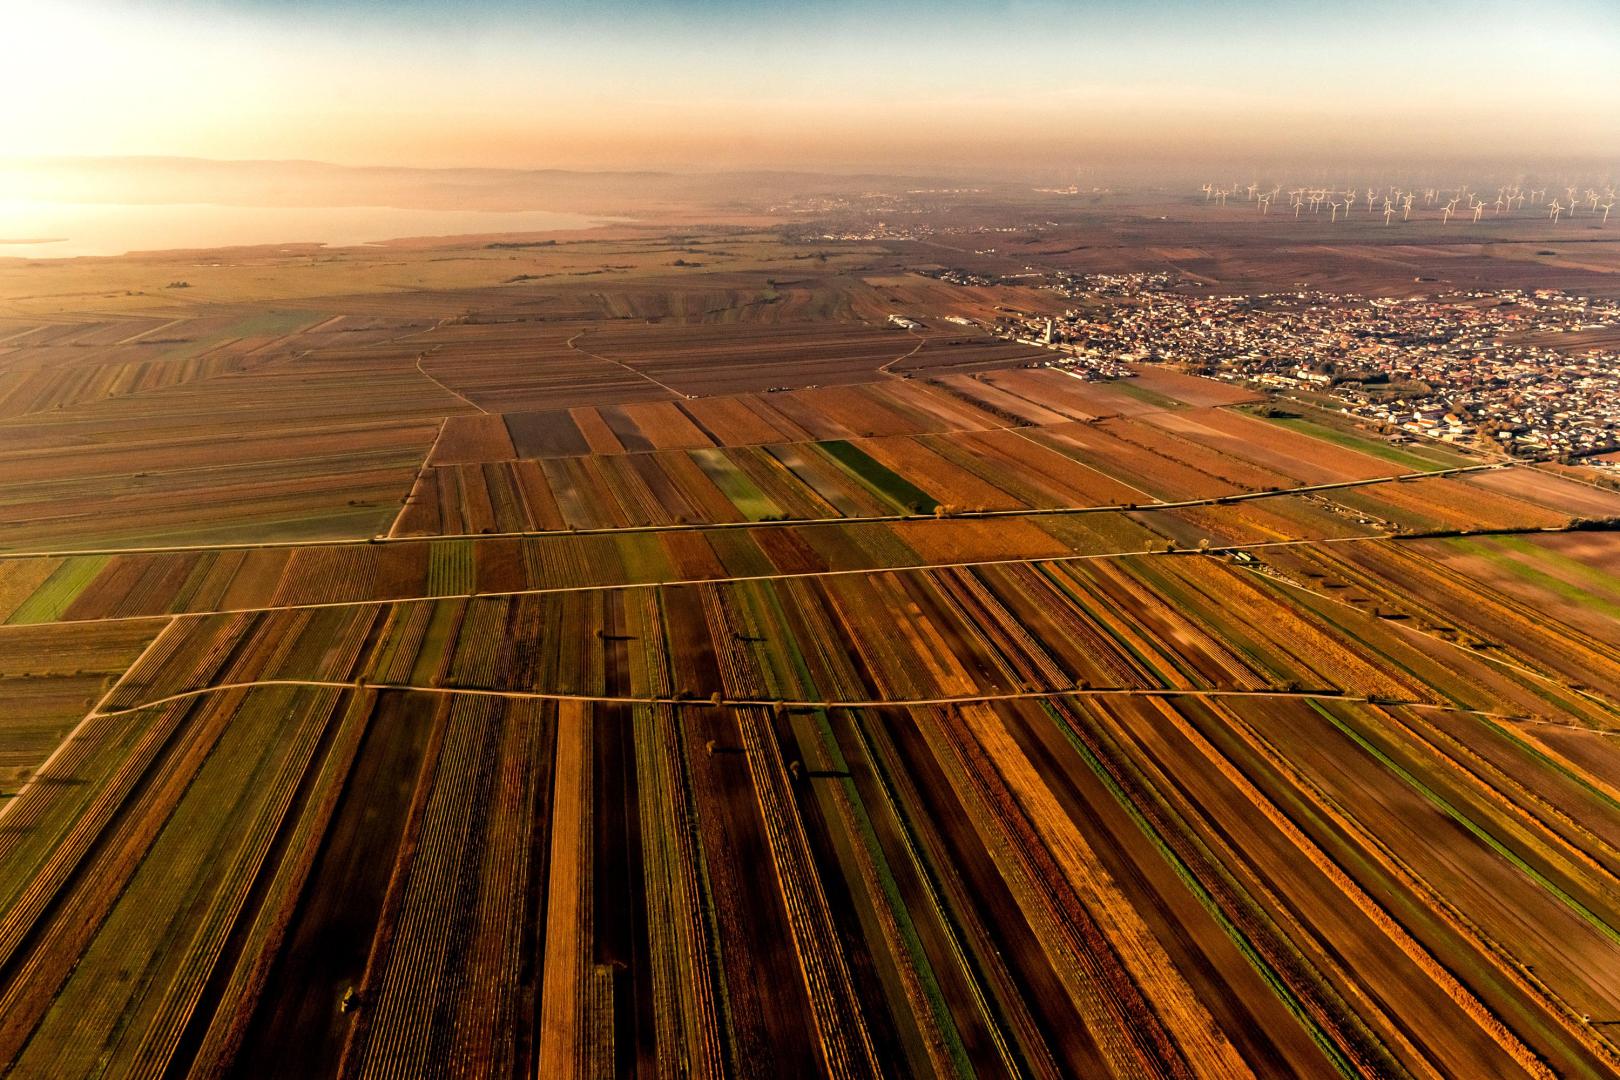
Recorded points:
(1534, 372)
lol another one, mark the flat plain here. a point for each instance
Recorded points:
(639, 656)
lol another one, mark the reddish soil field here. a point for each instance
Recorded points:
(468, 439)
(1190, 389)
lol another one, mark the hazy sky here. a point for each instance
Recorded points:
(817, 83)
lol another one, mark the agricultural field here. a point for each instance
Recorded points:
(524, 658)
(51, 675)
(1575, 576)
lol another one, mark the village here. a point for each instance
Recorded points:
(1480, 367)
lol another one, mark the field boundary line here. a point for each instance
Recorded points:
(427, 458)
(441, 384)
(885, 367)
(877, 519)
(1481, 654)
(1023, 433)
(681, 394)
(1325, 694)
(1016, 560)
(95, 713)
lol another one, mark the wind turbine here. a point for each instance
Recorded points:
(1336, 207)
(1209, 189)
(1605, 208)
(1389, 211)
(1479, 208)
(1445, 215)
(1554, 211)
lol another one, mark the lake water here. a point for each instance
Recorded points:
(61, 230)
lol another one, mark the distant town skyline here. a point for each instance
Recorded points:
(830, 84)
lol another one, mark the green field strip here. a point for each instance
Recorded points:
(443, 625)
(1260, 654)
(1205, 897)
(1106, 627)
(739, 554)
(1303, 801)
(261, 324)
(187, 889)
(672, 861)
(644, 558)
(57, 593)
(763, 607)
(772, 644)
(451, 570)
(890, 803)
(819, 478)
(894, 898)
(883, 546)
(1148, 397)
(1578, 569)
(1417, 459)
(879, 478)
(751, 502)
(20, 580)
(1531, 575)
(1479, 832)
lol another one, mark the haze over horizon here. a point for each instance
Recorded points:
(832, 85)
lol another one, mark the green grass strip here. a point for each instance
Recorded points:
(767, 598)
(450, 568)
(1502, 551)
(892, 896)
(1418, 460)
(749, 499)
(1130, 389)
(882, 480)
(57, 593)
(1488, 839)
(1330, 1048)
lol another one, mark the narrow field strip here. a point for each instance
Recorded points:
(1020, 560)
(963, 515)
(1500, 661)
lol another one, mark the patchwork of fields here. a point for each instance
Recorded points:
(563, 679)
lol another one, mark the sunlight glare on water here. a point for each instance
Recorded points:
(36, 229)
